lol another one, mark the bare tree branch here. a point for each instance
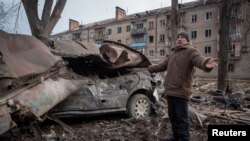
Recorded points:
(56, 15)
(8, 10)
(42, 28)
(30, 7)
(46, 11)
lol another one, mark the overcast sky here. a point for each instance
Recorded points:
(88, 11)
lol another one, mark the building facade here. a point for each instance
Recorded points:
(149, 32)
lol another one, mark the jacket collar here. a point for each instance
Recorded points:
(179, 48)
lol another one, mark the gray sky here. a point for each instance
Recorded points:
(88, 11)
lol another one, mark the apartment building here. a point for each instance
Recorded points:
(149, 32)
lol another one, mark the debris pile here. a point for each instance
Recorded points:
(120, 127)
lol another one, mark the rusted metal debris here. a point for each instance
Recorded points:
(23, 55)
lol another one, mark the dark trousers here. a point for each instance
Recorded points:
(179, 118)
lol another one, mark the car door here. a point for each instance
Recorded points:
(113, 92)
(85, 98)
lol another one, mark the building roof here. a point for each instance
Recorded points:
(164, 10)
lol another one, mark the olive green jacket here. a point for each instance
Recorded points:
(180, 65)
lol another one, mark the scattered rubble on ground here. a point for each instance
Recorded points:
(120, 127)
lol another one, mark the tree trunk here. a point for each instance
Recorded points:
(42, 28)
(174, 21)
(225, 15)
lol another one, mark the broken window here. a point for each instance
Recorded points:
(86, 67)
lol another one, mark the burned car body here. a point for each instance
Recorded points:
(69, 78)
(116, 82)
(27, 88)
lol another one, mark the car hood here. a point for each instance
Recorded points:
(110, 54)
(24, 55)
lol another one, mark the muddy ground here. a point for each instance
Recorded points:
(119, 127)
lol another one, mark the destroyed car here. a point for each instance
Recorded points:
(28, 86)
(69, 78)
(116, 82)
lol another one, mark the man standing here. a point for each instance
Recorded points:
(180, 65)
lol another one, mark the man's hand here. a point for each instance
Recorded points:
(211, 63)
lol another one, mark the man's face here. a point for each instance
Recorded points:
(181, 40)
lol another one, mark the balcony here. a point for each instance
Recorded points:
(138, 31)
(137, 44)
(245, 49)
(233, 55)
(237, 17)
(236, 37)
(100, 37)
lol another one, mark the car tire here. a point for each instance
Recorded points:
(139, 106)
(197, 99)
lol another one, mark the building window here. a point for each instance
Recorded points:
(127, 41)
(162, 38)
(162, 52)
(139, 26)
(194, 18)
(151, 25)
(128, 28)
(138, 39)
(193, 34)
(109, 31)
(208, 15)
(235, 10)
(91, 34)
(151, 39)
(208, 33)
(76, 35)
(119, 30)
(151, 53)
(119, 41)
(100, 32)
(232, 50)
(231, 67)
(207, 49)
(162, 23)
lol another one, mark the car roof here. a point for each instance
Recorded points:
(109, 54)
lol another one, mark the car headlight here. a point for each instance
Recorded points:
(157, 79)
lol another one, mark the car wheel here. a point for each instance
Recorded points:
(139, 106)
